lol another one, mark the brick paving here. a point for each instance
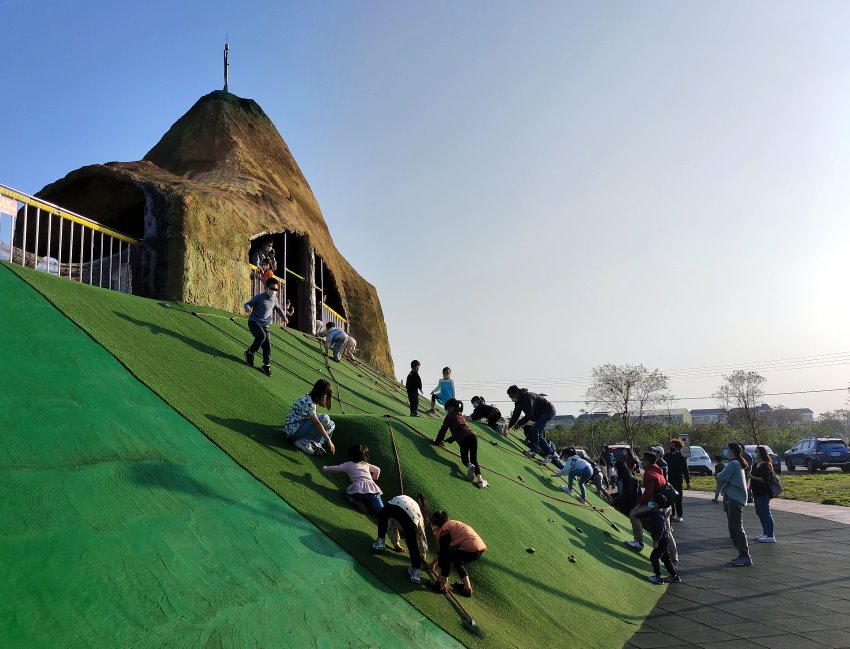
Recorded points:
(797, 595)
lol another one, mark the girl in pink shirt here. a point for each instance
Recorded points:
(363, 493)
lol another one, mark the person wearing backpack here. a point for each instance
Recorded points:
(761, 480)
(628, 489)
(658, 525)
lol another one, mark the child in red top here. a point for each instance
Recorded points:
(465, 438)
(458, 544)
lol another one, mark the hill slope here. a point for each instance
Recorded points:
(522, 599)
(121, 525)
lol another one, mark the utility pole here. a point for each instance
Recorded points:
(226, 61)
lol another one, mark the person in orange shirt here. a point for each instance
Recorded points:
(458, 544)
(265, 271)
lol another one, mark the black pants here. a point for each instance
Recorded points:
(676, 483)
(261, 339)
(493, 422)
(469, 452)
(413, 398)
(659, 555)
(407, 526)
(458, 559)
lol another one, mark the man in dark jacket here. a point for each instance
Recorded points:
(533, 408)
(677, 473)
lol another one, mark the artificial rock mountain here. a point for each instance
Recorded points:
(219, 178)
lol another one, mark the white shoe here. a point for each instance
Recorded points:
(414, 575)
(470, 472)
(759, 537)
(305, 446)
(567, 490)
(766, 539)
(529, 453)
(318, 449)
(678, 519)
(482, 484)
(635, 544)
(379, 545)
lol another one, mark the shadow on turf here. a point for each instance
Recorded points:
(191, 342)
(272, 438)
(175, 477)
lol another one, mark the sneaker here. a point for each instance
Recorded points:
(636, 545)
(714, 500)
(655, 579)
(766, 539)
(470, 472)
(581, 500)
(529, 453)
(675, 562)
(249, 358)
(305, 446)
(482, 484)
(742, 562)
(678, 519)
(267, 370)
(318, 449)
(674, 579)
(379, 546)
(567, 490)
(414, 575)
(432, 411)
(759, 537)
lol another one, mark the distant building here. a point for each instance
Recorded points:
(804, 414)
(708, 416)
(560, 421)
(672, 416)
(590, 417)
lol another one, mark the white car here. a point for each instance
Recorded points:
(699, 463)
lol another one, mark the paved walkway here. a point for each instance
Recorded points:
(797, 594)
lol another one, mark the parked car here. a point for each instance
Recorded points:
(815, 453)
(774, 458)
(699, 463)
(619, 450)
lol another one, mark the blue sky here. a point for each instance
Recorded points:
(534, 188)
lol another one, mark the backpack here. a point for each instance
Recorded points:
(665, 496)
(775, 485)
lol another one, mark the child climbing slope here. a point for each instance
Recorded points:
(465, 438)
(363, 492)
(457, 545)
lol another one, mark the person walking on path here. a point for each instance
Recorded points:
(658, 525)
(482, 410)
(414, 388)
(303, 426)
(405, 514)
(466, 440)
(444, 391)
(660, 462)
(261, 307)
(677, 475)
(363, 492)
(457, 545)
(533, 408)
(733, 487)
(653, 480)
(760, 479)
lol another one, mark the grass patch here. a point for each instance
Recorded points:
(826, 488)
(522, 599)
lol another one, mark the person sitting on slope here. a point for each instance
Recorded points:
(444, 391)
(466, 439)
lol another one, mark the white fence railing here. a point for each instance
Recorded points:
(46, 237)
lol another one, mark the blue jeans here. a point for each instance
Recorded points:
(536, 429)
(762, 504)
(372, 501)
(584, 472)
(307, 430)
(337, 346)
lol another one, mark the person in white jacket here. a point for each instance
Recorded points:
(732, 483)
(575, 467)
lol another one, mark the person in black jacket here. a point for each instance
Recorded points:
(534, 408)
(628, 489)
(482, 410)
(677, 473)
(414, 388)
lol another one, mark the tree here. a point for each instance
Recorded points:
(741, 393)
(838, 421)
(630, 391)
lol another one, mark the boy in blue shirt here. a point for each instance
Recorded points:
(262, 307)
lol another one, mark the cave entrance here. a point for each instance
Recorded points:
(307, 280)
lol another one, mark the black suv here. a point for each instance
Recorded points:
(819, 453)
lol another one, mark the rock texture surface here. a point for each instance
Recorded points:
(221, 176)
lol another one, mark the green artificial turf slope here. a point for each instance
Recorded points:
(522, 599)
(121, 525)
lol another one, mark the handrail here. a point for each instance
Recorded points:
(334, 312)
(32, 201)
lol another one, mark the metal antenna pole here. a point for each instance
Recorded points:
(226, 62)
